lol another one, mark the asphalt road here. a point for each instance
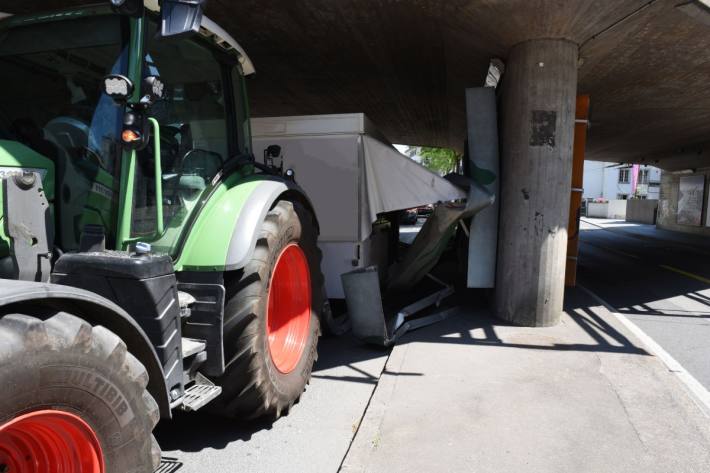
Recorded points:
(658, 279)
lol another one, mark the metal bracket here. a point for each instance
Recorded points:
(369, 323)
(26, 223)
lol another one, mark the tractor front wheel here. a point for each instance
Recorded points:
(73, 399)
(271, 319)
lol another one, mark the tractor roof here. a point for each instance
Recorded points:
(208, 29)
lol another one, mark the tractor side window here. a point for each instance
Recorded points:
(194, 141)
(51, 103)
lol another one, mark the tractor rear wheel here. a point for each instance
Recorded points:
(73, 399)
(271, 319)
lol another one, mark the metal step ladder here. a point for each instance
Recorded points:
(202, 390)
(199, 394)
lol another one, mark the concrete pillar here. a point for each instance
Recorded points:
(538, 101)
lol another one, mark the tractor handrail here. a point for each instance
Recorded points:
(159, 226)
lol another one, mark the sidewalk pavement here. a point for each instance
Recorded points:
(474, 395)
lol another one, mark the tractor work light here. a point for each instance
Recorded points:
(118, 87)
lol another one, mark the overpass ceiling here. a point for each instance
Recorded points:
(406, 63)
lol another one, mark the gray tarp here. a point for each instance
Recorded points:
(395, 182)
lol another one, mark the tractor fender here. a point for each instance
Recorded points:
(32, 297)
(260, 201)
(225, 233)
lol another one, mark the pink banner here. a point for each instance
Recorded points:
(634, 178)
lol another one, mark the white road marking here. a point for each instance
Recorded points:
(699, 394)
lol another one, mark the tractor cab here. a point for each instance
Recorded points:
(135, 165)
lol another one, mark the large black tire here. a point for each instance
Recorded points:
(64, 364)
(252, 386)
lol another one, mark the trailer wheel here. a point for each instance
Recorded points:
(73, 399)
(271, 320)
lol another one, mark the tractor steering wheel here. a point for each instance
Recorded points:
(209, 162)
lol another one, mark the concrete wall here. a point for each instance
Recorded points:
(668, 204)
(641, 210)
(597, 210)
(615, 209)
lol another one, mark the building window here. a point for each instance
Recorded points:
(624, 176)
(643, 176)
(622, 196)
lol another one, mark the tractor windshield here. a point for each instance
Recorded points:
(51, 103)
(197, 133)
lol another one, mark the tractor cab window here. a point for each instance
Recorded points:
(241, 104)
(51, 103)
(194, 137)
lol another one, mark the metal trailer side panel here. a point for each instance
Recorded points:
(340, 257)
(327, 167)
(330, 169)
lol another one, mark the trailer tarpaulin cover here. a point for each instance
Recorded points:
(392, 181)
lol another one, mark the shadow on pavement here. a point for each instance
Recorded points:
(474, 317)
(194, 431)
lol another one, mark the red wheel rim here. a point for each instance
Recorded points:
(49, 441)
(288, 313)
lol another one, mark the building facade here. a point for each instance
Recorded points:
(613, 181)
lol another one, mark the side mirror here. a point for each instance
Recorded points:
(273, 158)
(180, 17)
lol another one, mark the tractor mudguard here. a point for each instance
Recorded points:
(224, 235)
(97, 311)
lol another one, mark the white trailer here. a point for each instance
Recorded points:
(351, 174)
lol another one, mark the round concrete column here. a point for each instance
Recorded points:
(537, 113)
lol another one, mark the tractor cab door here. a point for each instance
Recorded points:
(197, 129)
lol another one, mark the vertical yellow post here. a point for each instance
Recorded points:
(575, 205)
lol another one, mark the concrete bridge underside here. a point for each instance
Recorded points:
(406, 64)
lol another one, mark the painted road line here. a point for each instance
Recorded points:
(686, 273)
(698, 392)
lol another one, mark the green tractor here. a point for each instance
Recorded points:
(149, 262)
